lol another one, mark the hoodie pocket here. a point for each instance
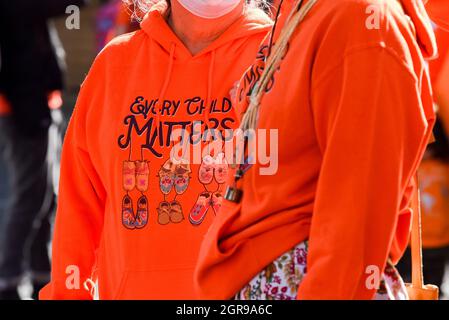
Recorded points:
(121, 286)
(163, 284)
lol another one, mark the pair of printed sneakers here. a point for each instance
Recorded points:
(210, 169)
(135, 176)
(172, 176)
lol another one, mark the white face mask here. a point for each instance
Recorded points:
(209, 9)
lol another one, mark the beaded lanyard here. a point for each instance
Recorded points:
(249, 121)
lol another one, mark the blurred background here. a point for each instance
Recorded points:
(45, 53)
(43, 63)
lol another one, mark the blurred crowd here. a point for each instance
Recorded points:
(37, 94)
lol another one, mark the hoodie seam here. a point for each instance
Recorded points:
(359, 49)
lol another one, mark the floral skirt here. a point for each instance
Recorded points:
(280, 280)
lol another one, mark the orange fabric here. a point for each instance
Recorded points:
(124, 15)
(439, 12)
(353, 110)
(434, 186)
(156, 261)
(5, 107)
(439, 70)
(436, 65)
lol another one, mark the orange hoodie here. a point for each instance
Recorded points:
(353, 108)
(439, 12)
(115, 162)
(437, 66)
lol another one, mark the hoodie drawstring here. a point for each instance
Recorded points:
(92, 286)
(166, 82)
(210, 79)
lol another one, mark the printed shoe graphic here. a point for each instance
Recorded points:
(221, 168)
(206, 171)
(128, 218)
(129, 175)
(176, 215)
(182, 177)
(142, 174)
(163, 213)
(199, 210)
(142, 212)
(167, 177)
(217, 199)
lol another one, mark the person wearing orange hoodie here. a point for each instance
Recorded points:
(130, 218)
(346, 91)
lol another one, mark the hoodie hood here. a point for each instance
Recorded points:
(155, 26)
(425, 36)
(416, 10)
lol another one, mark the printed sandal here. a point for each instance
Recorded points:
(142, 173)
(128, 218)
(167, 177)
(176, 215)
(221, 169)
(206, 171)
(199, 210)
(163, 213)
(142, 212)
(217, 199)
(182, 178)
(129, 175)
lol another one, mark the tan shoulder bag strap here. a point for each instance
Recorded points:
(417, 290)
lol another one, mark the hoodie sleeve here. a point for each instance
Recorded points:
(438, 11)
(79, 217)
(372, 129)
(442, 92)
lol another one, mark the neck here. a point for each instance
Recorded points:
(200, 32)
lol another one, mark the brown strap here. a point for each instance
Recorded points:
(249, 119)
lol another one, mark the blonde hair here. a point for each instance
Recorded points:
(139, 8)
